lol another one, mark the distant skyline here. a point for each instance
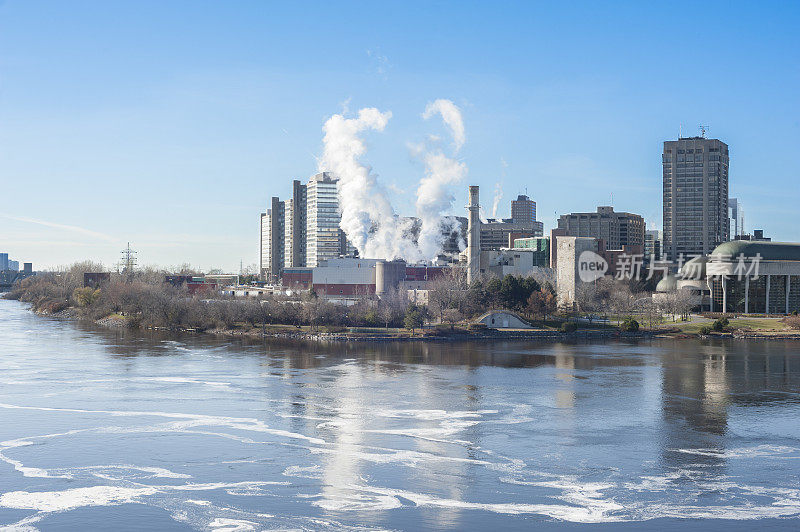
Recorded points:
(170, 125)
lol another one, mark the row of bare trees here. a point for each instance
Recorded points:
(608, 296)
(145, 300)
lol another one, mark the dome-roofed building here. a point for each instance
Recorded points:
(755, 277)
(768, 250)
(691, 277)
(667, 284)
(694, 268)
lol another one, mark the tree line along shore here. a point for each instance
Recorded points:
(142, 299)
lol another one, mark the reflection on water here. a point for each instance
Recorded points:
(214, 433)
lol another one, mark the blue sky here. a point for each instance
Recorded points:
(170, 124)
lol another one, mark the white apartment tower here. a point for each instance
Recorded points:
(323, 238)
(288, 240)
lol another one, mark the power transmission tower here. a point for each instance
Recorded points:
(128, 259)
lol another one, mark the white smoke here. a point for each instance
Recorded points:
(498, 196)
(452, 119)
(368, 219)
(367, 216)
(434, 197)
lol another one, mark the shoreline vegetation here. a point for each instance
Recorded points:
(143, 300)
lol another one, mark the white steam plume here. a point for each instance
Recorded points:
(434, 197)
(451, 115)
(368, 219)
(498, 196)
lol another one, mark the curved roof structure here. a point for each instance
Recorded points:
(498, 313)
(694, 268)
(767, 250)
(667, 284)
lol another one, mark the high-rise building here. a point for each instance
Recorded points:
(13, 265)
(653, 245)
(288, 226)
(263, 244)
(736, 216)
(323, 236)
(617, 229)
(272, 239)
(3, 261)
(523, 209)
(297, 220)
(695, 172)
(277, 231)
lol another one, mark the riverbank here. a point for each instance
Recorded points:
(437, 333)
(145, 301)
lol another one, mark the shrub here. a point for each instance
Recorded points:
(705, 330)
(568, 327)
(721, 324)
(86, 296)
(793, 321)
(51, 306)
(629, 325)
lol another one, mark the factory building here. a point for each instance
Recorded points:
(348, 278)
(344, 277)
(491, 249)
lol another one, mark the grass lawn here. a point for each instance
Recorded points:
(747, 324)
(760, 324)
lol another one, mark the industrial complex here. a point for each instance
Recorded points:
(304, 248)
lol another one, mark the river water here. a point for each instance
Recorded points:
(116, 430)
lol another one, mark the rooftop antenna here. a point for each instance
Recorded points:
(703, 130)
(680, 131)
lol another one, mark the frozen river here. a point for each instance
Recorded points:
(117, 430)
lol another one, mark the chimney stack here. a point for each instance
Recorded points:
(473, 236)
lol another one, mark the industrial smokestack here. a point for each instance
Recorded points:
(473, 236)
